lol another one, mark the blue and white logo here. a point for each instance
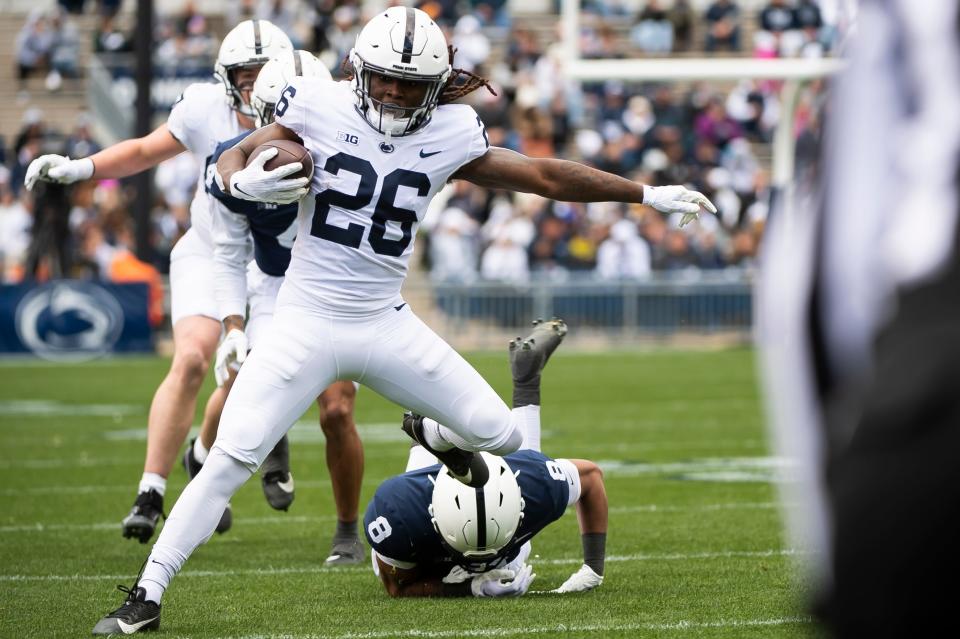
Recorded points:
(69, 321)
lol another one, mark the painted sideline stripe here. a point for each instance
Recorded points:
(559, 628)
(262, 572)
(306, 519)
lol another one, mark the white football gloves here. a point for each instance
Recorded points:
(57, 168)
(255, 184)
(230, 355)
(677, 199)
(502, 582)
(580, 581)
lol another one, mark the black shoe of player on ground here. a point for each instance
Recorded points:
(345, 552)
(144, 516)
(276, 478)
(465, 466)
(192, 466)
(135, 615)
(528, 355)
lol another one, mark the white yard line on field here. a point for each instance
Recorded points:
(260, 572)
(306, 519)
(577, 629)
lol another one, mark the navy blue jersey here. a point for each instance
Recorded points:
(398, 525)
(267, 221)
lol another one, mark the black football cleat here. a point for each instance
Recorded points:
(345, 553)
(135, 615)
(276, 478)
(528, 355)
(192, 466)
(143, 517)
(465, 466)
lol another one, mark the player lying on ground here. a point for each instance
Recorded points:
(434, 536)
(206, 114)
(384, 143)
(251, 246)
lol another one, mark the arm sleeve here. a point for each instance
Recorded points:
(478, 143)
(182, 121)
(232, 250)
(573, 479)
(291, 109)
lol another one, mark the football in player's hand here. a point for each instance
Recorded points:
(288, 152)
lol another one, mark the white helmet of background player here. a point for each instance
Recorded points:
(276, 74)
(404, 43)
(250, 43)
(475, 524)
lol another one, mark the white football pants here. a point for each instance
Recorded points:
(392, 352)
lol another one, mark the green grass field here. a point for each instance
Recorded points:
(694, 549)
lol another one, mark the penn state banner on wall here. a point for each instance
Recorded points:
(74, 320)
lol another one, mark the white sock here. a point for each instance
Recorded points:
(200, 451)
(192, 520)
(435, 439)
(529, 418)
(154, 590)
(153, 481)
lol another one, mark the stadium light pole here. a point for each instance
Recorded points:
(143, 181)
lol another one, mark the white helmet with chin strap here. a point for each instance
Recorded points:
(250, 43)
(276, 74)
(476, 524)
(403, 43)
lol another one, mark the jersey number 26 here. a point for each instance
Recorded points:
(385, 210)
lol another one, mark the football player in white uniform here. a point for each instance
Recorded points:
(383, 143)
(205, 115)
(252, 242)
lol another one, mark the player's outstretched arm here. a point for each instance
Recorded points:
(413, 582)
(574, 182)
(592, 513)
(255, 183)
(122, 159)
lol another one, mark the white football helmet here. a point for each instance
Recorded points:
(475, 524)
(276, 74)
(250, 43)
(403, 43)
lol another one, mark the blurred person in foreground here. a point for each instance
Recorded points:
(860, 327)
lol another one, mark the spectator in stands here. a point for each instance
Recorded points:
(111, 39)
(80, 142)
(65, 55)
(777, 17)
(286, 16)
(118, 263)
(715, 126)
(506, 259)
(34, 45)
(624, 254)
(677, 254)
(473, 47)
(72, 6)
(682, 17)
(709, 256)
(453, 247)
(743, 252)
(653, 32)
(723, 28)
(15, 231)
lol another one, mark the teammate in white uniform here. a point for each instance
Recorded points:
(383, 144)
(252, 242)
(205, 115)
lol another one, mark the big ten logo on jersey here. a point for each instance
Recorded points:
(349, 138)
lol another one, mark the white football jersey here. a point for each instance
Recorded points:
(201, 119)
(357, 225)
